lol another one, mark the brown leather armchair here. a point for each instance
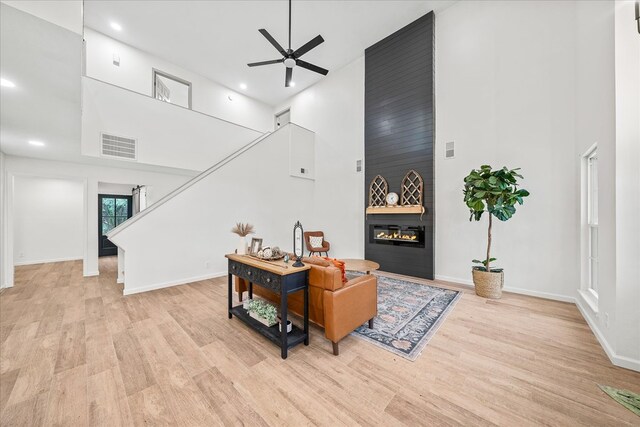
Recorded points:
(337, 307)
(325, 245)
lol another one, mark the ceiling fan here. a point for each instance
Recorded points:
(291, 58)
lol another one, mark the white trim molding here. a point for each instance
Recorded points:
(621, 361)
(47, 261)
(583, 304)
(537, 294)
(172, 283)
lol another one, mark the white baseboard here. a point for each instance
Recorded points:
(91, 273)
(172, 283)
(456, 280)
(622, 361)
(45, 261)
(545, 295)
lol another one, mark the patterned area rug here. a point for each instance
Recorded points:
(409, 314)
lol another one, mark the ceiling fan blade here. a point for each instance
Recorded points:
(311, 67)
(287, 77)
(307, 47)
(273, 41)
(256, 64)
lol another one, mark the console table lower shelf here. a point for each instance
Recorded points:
(295, 337)
(280, 278)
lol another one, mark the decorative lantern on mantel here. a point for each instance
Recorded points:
(411, 196)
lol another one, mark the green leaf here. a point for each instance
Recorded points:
(478, 206)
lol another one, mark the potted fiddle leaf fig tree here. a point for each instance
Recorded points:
(496, 192)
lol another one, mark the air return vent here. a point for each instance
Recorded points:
(449, 152)
(118, 146)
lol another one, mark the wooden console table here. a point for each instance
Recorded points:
(280, 278)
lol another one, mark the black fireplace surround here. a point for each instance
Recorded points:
(397, 235)
(399, 126)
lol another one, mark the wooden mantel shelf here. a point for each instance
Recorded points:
(395, 210)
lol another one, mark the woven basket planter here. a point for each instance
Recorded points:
(488, 285)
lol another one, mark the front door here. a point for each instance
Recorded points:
(112, 211)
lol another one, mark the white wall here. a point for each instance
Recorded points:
(66, 14)
(627, 202)
(159, 184)
(185, 238)
(166, 135)
(135, 73)
(595, 124)
(3, 231)
(47, 216)
(117, 189)
(334, 110)
(505, 94)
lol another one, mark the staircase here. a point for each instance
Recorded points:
(183, 237)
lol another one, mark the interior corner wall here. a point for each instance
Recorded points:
(3, 232)
(334, 110)
(135, 73)
(158, 185)
(505, 96)
(47, 213)
(627, 186)
(595, 118)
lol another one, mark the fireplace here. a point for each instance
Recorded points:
(397, 235)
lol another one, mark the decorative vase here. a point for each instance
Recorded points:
(488, 284)
(242, 246)
(289, 326)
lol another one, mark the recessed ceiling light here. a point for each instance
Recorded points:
(116, 26)
(36, 143)
(292, 84)
(243, 86)
(6, 83)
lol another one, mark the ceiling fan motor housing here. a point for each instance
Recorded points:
(289, 62)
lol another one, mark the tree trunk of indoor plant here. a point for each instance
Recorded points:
(489, 245)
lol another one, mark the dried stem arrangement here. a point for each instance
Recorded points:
(242, 229)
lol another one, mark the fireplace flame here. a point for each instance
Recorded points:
(396, 236)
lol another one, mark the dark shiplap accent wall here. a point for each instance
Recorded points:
(399, 135)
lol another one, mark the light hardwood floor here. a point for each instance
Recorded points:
(75, 352)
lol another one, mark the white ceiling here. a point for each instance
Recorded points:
(218, 38)
(43, 60)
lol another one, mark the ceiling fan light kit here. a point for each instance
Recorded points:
(291, 58)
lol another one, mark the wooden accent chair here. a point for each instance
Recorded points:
(312, 249)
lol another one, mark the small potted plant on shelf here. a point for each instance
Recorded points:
(242, 230)
(263, 312)
(496, 192)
